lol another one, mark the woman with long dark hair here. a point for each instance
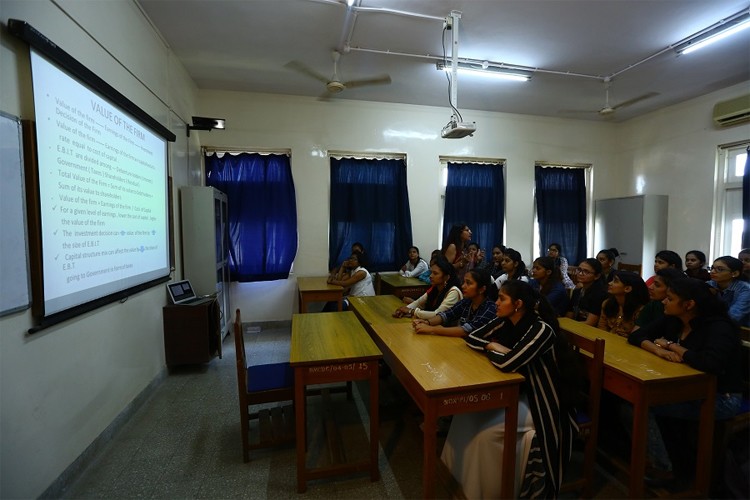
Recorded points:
(496, 268)
(523, 338)
(476, 309)
(608, 259)
(514, 268)
(695, 265)
(546, 277)
(657, 292)
(665, 259)
(695, 330)
(441, 296)
(627, 296)
(455, 248)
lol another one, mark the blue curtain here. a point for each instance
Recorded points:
(475, 195)
(370, 205)
(262, 213)
(561, 210)
(746, 201)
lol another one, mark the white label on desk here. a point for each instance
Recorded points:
(350, 367)
(468, 399)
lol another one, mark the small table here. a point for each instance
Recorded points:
(317, 289)
(646, 380)
(326, 348)
(400, 286)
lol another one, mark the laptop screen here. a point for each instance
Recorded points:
(180, 291)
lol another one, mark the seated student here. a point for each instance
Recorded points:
(415, 266)
(339, 273)
(473, 311)
(496, 268)
(546, 277)
(608, 258)
(523, 338)
(476, 256)
(734, 291)
(695, 330)
(554, 250)
(664, 259)
(441, 296)
(744, 257)
(627, 296)
(425, 276)
(695, 265)
(657, 292)
(587, 298)
(357, 284)
(513, 266)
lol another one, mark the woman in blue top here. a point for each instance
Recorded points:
(476, 309)
(727, 277)
(546, 278)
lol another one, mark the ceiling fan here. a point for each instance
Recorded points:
(334, 85)
(608, 111)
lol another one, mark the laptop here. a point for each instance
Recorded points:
(181, 293)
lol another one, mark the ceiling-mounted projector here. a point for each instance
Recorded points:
(457, 130)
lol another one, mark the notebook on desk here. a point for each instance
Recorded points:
(182, 293)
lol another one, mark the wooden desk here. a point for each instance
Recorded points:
(332, 347)
(378, 309)
(395, 284)
(316, 289)
(645, 380)
(444, 377)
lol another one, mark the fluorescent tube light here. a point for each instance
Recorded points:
(488, 71)
(719, 33)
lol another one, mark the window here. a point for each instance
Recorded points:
(728, 219)
(262, 212)
(370, 205)
(475, 196)
(561, 209)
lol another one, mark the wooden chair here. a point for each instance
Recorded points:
(259, 384)
(588, 416)
(635, 268)
(727, 430)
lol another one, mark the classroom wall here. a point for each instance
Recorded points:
(673, 151)
(62, 387)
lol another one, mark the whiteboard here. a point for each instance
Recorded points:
(14, 264)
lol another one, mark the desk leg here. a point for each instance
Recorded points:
(509, 451)
(374, 421)
(429, 451)
(301, 430)
(638, 448)
(705, 444)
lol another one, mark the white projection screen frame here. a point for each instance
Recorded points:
(102, 201)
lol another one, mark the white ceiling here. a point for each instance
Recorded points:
(243, 45)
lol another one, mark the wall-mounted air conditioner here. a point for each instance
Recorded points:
(733, 111)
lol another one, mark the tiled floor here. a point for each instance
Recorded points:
(184, 441)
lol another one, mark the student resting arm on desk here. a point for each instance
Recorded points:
(441, 296)
(473, 311)
(696, 330)
(523, 338)
(358, 284)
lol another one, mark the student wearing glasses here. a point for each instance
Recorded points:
(586, 300)
(727, 277)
